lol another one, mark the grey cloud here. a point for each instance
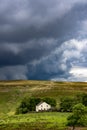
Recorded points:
(15, 72)
(17, 54)
(24, 45)
(31, 31)
(57, 66)
(43, 19)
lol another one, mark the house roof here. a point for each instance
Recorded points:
(41, 103)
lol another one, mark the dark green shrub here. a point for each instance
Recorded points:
(66, 104)
(28, 104)
(82, 98)
(50, 101)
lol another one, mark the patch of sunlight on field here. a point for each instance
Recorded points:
(11, 113)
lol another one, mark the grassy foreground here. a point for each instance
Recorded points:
(34, 121)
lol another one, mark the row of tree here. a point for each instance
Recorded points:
(28, 104)
(67, 103)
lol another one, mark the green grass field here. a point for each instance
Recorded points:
(12, 92)
(40, 121)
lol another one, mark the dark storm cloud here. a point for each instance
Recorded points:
(58, 30)
(20, 54)
(32, 30)
(24, 20)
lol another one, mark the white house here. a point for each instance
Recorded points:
(42, 106)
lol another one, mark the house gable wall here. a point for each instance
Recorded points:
(43, 106)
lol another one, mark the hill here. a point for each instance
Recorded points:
(11, 92)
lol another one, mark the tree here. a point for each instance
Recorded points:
(27, 104)
(66, 104)
(77, 118)
(82, 98)
(50, 101)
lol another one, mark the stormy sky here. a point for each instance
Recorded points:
(43, 40)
